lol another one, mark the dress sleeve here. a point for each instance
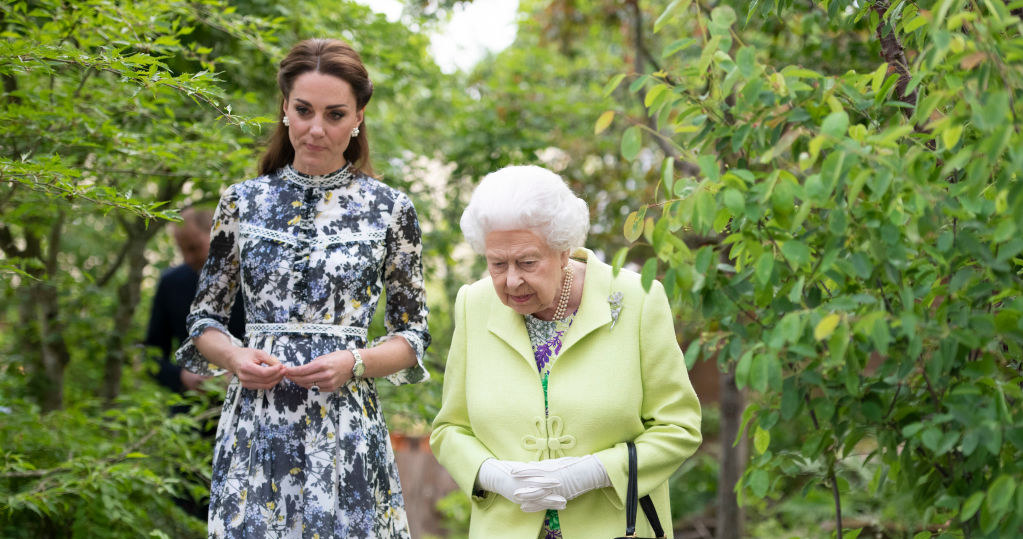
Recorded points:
(406, 295)
(670, 408)
(218, 286)
(453, 440)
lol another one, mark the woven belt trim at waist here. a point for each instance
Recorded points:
(325, 329)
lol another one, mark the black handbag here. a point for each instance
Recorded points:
(630, 503)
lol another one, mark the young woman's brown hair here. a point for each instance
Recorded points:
(330, 57)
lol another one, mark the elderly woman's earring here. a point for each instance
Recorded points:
(355, 132)
(566, 290)
(285, 121)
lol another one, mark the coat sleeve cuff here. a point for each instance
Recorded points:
(616, 464)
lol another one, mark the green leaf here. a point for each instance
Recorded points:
(826, 326)
(633, 226)
(950, 135)
(761, 440)
(796, 292)
(745, 59)
(734, 201)
(910, 430)
(652, 95)
(709, 167)
(759, 481)
(668, 175)
(619, 260)
(676, 46)
(666, 15)
(692, 353)
(970, 506)
(604, 121)
(931, 437)
(914, 24)
(706, 210)
(764, 267)
(723, 15)
(760, 372)
(999, 495)
(649, 273)
(639, 83)
(613, 84)
(877, 79)
(743, 370)
(799, 72)
(631, 142)
(835, 124)
(992, 113)
(796, 252)
(890, 136)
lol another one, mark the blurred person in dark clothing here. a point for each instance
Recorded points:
(174, 296)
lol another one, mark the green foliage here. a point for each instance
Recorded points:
(860, 270)
(455, 509)
(89, 467)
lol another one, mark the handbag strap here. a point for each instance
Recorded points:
(651, 515)
(630, 494)
(630, 500)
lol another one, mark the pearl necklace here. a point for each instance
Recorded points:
(566, 290)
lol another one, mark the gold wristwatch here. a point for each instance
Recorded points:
(359, 368)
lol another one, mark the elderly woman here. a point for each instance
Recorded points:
(554, 365)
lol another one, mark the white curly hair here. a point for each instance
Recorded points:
(526, 197)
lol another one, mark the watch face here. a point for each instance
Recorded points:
(359, 368)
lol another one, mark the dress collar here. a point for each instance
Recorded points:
(338, 178)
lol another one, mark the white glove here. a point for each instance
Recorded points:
(533, 491)
(573, 475)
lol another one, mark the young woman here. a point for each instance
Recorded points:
(302, 449)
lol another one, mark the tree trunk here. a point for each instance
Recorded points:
(54, 349)
(730, 516)
(41, 317)
(128, 295)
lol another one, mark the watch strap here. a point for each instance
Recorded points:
(358, 368)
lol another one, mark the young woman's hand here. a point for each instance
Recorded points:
(255, 369)
(326, 373)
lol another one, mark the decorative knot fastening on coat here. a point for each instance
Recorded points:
(550, 438)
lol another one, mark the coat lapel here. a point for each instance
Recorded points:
(594, 310)
(508, 326)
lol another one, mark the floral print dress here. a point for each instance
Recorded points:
(312, 255)
(545, 338)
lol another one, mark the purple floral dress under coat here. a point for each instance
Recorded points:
(545, 338)
(312, 254)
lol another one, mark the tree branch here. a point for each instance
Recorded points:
(112, 270)
(56, 231)
(895, 55)
(81, 84)
(681, 165)
(831, 476)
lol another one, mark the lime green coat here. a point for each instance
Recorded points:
(612, 383)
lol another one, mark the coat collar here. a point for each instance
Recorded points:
(594, 311)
